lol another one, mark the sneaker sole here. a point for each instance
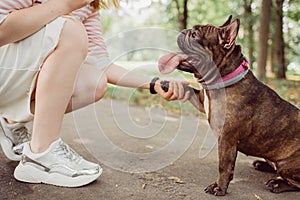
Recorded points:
(38, 176)
(6, 146)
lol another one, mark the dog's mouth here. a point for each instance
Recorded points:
(199, 62)
(189, 45)
(181, 39)
(185, 42)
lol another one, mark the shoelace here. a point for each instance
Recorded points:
(21, 135)
(68, 153)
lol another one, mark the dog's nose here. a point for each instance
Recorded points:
(184, 32)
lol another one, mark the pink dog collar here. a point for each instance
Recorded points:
(231, 78)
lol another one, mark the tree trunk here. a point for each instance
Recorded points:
(182, 12)
(279, 59)
(249, 30)
(185, 15)
(264, 20)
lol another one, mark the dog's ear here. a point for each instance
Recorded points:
(229, 33)
(228, 21)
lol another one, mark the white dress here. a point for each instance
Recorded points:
(20, 63)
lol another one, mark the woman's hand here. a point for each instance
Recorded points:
(119, 76)
(176, 91)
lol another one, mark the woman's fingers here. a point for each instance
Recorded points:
(176, 91)
(186, 96)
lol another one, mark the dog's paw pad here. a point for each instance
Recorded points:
(272, 186)
(215, 190)
(279, 185)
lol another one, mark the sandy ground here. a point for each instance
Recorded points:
(146, 154)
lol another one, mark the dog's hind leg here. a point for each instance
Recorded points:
(264, 166)
(278, 185)
(289, 170)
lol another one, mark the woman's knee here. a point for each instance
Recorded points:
(101, 89)
(73, 38)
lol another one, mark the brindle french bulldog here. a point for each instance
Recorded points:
(245, 114)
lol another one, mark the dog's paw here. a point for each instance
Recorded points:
(215, 190)
(279, 185)
(273, 185)
(263, 167)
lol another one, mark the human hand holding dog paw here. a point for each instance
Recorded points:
(172, 90)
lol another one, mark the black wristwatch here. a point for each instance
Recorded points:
(152, 84)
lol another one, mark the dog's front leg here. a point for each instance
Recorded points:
(227, 157)
(197, 98)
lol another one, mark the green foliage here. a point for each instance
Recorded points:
(288, 90)
(292, 30)
(164, 14)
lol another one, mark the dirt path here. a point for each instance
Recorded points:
(127, 140)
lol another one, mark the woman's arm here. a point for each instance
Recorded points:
(119, 76)
(21, 23)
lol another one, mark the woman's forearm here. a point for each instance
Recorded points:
(119, 76)
(21, 23)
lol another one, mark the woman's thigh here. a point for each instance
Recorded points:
(20, 64)
(90, 86)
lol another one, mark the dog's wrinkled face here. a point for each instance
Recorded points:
(206, 46)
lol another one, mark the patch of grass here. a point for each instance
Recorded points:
(287, 89)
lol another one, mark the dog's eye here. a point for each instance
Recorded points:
(194, 34)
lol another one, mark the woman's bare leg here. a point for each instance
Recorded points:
(55, 85)
(90, 87)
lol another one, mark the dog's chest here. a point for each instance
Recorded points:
(206, 104)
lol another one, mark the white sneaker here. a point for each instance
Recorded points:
(59, 165)
(12, 138)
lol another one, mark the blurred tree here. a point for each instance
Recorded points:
(249, 29)
(292, 35)
(271, 52)
(182, 13)
(279, 58)
(174, 15)
(264, 26)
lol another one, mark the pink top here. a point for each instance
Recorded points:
(90, 20)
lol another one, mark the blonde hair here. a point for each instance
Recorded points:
(97, 4)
